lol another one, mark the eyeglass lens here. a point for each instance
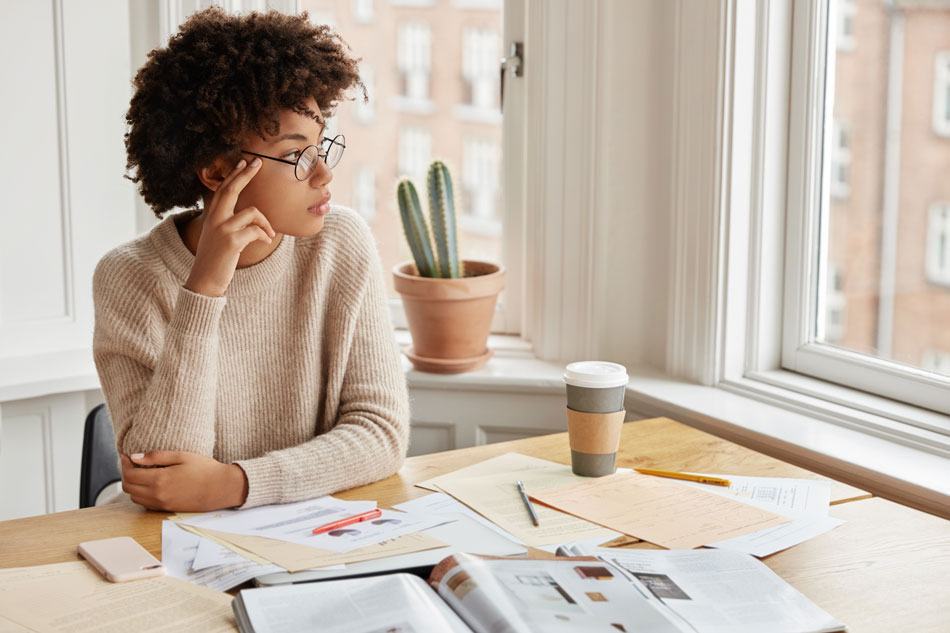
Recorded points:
(307, 163)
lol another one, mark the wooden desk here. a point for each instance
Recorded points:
(884, 570)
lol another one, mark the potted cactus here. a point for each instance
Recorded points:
(449, 303)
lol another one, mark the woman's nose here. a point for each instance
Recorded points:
(322, 175)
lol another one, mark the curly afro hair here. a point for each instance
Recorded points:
(220, 78)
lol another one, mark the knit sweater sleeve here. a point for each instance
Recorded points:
(158, 378)
(370, 437)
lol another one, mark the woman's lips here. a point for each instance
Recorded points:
(321, 208)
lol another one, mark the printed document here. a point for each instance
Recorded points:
(295, 522)
(718, 591)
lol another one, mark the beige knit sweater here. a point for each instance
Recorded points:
(293, 374)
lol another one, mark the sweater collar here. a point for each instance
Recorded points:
(246, 281)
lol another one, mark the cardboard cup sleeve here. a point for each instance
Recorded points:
(594, 433)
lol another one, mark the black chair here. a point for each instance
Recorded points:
(100, 461)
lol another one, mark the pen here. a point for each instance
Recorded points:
(332, 525)
(716, 481)
(527, 503)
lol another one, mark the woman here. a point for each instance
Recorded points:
(245, 348)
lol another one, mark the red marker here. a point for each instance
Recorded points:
(366, 516)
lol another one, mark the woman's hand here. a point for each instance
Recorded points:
(184, 482)
(225, 233)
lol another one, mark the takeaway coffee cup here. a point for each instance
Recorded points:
(595, 415)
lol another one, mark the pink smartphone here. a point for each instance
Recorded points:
(121, 558)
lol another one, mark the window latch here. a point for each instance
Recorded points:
(514, 64)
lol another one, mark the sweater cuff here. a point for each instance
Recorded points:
(264, 481)
(197, 315)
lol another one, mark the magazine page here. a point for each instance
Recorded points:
(394, 603)
(523, 595)
(719, 591)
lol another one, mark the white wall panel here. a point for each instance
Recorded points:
(40, 454)
(431, 438)
(23, 478)
(32, 284)
(66, 201)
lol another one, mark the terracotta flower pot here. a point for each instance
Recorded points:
(449, 319)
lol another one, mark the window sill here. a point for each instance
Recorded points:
(413, 106)
(909, 474)
(513, 368)
(476, 114)
(46, 374)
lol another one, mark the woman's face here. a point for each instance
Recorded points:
(293, 207)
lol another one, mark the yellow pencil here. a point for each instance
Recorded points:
(716, 481)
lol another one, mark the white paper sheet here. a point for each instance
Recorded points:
(178, 553)
(294, 523)
(788, 497)
(805, 501)
(439, 503)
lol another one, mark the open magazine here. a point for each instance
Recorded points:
(523, 595)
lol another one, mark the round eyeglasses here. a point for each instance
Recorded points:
(330, 150)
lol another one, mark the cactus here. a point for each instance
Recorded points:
(414, 225)
(442, 215)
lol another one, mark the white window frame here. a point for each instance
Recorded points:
(941, 120)
(806, 199)
(747, 139)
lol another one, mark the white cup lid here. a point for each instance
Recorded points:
(595, 373)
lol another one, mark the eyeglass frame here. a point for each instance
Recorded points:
(295, 163)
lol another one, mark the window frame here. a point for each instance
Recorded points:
(742, 100)
(807, 197)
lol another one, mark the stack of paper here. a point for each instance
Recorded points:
(805, 501)
(225, 548)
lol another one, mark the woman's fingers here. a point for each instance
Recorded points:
(225, 197)
(248, 216)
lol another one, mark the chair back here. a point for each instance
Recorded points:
(100, 461)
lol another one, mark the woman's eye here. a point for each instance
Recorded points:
(292, 155)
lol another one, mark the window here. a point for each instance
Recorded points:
(832, 329)
(840, 160)
(936, 361)
(481, 50)
(941, 113)
(413, 56)
(365, 109)
(862, 210)
(480, 179)
(846, 11)
(938, 244)
(415, 154)
(364, 196)
(363, 11)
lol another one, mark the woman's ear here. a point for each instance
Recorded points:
(214, 174)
